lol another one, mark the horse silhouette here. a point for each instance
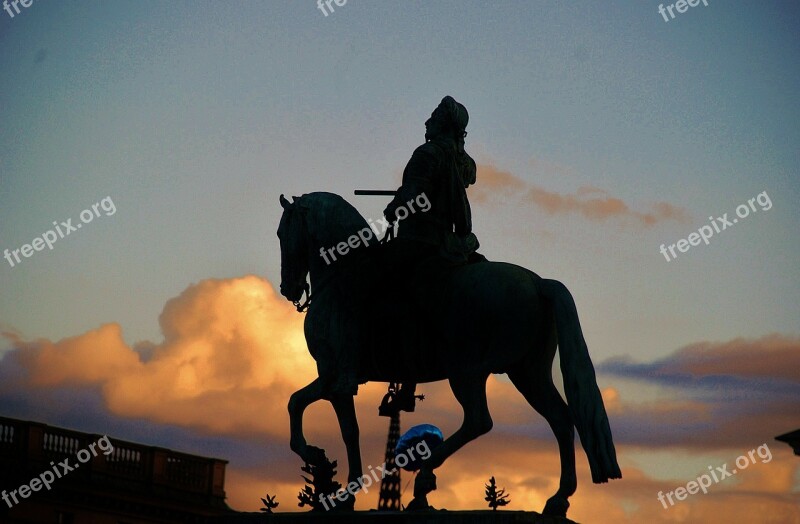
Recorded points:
(495, 318)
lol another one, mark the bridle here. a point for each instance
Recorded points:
(295, 234)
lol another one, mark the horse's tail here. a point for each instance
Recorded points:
(580, 385)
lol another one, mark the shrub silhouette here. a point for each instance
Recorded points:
(495, 497)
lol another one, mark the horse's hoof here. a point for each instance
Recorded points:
(419, 504)
(315, 456)
(348, 504)
(334, 504)
(424, 483)
(556, 507)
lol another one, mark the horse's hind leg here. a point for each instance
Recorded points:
(470, 391)
(538, 389)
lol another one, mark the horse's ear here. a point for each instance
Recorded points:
(285, 203)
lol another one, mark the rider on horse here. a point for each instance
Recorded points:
(442, 237)
(450, 319)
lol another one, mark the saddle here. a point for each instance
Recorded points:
(401, 308)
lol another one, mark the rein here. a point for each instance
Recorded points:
(302, 307)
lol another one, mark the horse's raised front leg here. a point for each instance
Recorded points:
(298, 403)
(470, 391)
(345, 410)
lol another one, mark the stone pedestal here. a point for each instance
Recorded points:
(397, 517)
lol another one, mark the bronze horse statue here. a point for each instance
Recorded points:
(495, 318)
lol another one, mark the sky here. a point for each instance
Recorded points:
(601, 132)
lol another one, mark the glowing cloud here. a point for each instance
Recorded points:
(230, 348)
(590, 202)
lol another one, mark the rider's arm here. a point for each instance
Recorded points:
(418, 177)
(468, 169)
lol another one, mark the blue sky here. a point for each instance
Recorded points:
(194, 117)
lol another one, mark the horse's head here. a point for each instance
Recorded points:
(292, 233)
(311, 222)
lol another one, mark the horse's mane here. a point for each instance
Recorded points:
(331, 218)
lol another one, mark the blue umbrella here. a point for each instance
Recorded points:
(408, 454)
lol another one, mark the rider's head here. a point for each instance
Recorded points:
(449, 120)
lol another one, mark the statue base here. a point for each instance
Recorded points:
(396, 517)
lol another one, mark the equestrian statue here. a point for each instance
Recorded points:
(426, 306)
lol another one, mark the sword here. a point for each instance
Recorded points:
(374, 192)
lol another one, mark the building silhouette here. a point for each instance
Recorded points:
(102, 480)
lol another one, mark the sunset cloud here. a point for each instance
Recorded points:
(92, 358)
(722, 394)
(233, 351)
(590, 202)
(230, 348)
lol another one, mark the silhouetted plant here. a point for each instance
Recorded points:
(320, 483)
(269, 503)
(495, 497)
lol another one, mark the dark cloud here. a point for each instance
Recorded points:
(726, 394)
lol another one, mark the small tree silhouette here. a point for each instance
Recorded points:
(269, 503)
(495, 497)
(320, 483)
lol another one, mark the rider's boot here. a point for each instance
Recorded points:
(405, 397)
